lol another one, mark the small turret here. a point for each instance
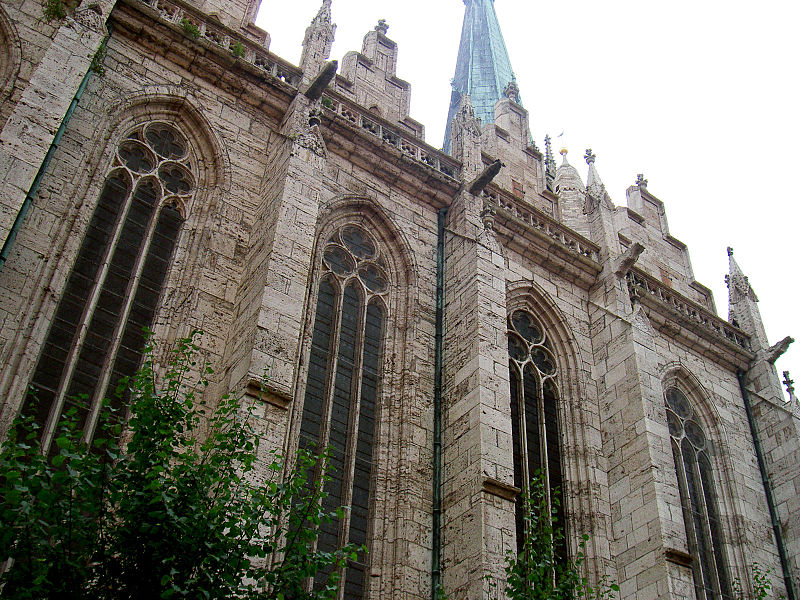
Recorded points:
(742, 305)
(572, 196)
(567, 176)
(466, 133)
(595, 188)
(318, 41)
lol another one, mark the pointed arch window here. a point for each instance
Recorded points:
(114, 287)
(535, 428)
(341, 399)
(692, 452)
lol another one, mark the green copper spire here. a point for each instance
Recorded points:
(483, 69)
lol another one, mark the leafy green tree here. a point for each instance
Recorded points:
(175, 512)
(761, 582)
(537, 572)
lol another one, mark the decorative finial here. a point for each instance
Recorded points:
(589, 156)
(730, 251)
(641, 181)
(512, 91)
(382, 26)
(549, 161)
(563, 152)
(789, 386)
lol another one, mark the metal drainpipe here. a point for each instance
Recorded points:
(776, 526)
(436, 574)
(26, 205)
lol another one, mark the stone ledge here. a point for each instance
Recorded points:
(502, 490)
(257, 390)
(678, 557)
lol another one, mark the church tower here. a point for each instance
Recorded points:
(483, 69)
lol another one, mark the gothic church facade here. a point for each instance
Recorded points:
(452, 324)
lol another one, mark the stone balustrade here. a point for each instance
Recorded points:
(642, 285)
(536, 219)
(367, 122)
(178, 13)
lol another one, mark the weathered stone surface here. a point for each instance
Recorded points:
(276, 174)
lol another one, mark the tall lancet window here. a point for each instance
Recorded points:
(692, 451)
(534, 413)
(341, 398)
(113, 291)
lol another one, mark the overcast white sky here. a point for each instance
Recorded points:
(700, 96)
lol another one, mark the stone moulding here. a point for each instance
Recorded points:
(368, 123)
(678, 313)
(539, 237)
(539, 221)
(173, 12)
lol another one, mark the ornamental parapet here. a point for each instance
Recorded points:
(648, 290)
(410, 147)
(537, 220)
(202, 27)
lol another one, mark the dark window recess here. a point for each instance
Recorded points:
(96, 338)
(362, 475)
(535, 428)
(61, 337)
(698, 499)
(143, 309)
(318, 367)
(341, 404)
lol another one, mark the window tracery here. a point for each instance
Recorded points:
(112, 292)
(341, 398)
(533, 374)
(693, 452)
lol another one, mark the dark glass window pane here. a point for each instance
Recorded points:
(677, 401)
(341, 406)
(166, 141)
(517, 349)
(373, 278)
(358, 242)
(516, 440)
(114, 291)
(362, 475)
(175, 178)
(318, 367)
(543, 361)
(338, 260)
(60, 339)
(696, 508)
(527, 327)
(145, 300)
(136, 157)
(706, 478)
(534, 450)
(554, 459)
(354, 582)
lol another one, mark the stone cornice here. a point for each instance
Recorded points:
(680, 318)
(539, 237)
(391, 154)
(210, 55)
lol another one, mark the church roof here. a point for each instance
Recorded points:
(483, 69)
